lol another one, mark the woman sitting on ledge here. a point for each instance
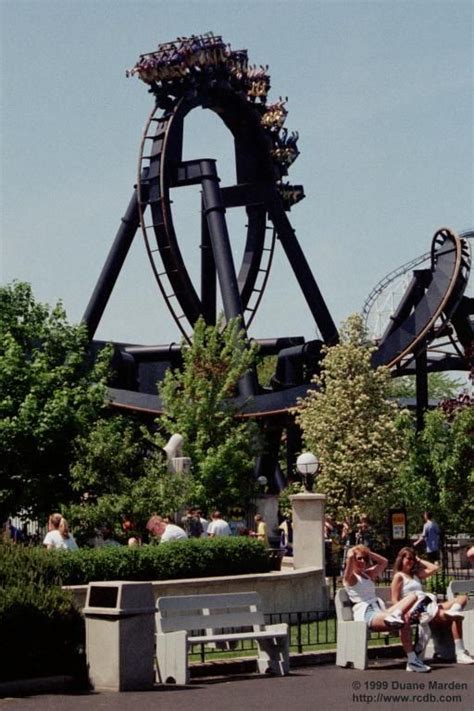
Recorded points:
(409, 573)
(363, 567)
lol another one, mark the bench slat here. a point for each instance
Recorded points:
(263, 634)
(171, 623)
(460, 587)
(226, 600)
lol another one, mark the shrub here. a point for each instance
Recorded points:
(192, 558)
(42, 633)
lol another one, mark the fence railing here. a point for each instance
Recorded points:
(313, 631)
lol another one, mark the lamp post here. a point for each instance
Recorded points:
(307, 465)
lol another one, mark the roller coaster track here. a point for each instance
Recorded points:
(429, 303)
(161, 168)
(203, 72)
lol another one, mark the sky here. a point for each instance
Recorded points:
(380, 92)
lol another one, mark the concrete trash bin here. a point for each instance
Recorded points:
(120, 635)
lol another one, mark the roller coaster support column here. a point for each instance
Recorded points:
(112, 266)
(214, 211)
(421, 388)
(303, 273)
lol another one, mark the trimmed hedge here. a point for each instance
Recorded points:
(192, 558)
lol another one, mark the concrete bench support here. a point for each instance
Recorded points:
(188, 620)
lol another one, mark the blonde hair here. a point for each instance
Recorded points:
(64, 528)
(363, 550)
(55, 520)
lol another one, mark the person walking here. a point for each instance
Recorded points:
(165, 530)
(192, 523)
(261, 529)
(431, 535)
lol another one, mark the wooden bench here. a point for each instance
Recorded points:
(352, 636)
(187, 620)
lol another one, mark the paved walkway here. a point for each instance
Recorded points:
(384, 686)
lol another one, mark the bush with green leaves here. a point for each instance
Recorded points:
(191, 558)
(438, 472)
(42, 632)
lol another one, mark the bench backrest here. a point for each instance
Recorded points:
(202, 612)
(344, 605)
(466, 587)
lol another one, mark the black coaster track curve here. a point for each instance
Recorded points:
(430, 302)
(162, 148)
(201, 71)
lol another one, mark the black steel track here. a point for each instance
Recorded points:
(162, 147)
(431, 296)
(257, 189)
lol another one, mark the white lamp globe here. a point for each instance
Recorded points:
(307, 463)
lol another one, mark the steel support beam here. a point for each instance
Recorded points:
(214, 212)
(421, 379)
(112, 267)
(303, 274)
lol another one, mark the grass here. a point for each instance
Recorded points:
(311, 636)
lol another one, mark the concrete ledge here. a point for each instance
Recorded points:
(286, 590)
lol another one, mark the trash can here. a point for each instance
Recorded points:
(120, 635)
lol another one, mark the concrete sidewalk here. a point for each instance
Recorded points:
(385, 685)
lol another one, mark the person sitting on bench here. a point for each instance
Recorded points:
(363, 567)
(409, 574)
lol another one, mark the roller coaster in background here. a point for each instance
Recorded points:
(203, 72)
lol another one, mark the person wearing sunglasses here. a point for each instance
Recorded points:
(409, 574)
(363, 567)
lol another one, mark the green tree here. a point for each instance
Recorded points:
(351, 425)
(198, 404)
(266, 367)
(120, 471)
(438, 473)
(49, 394)
(440, 386)
(121, 480)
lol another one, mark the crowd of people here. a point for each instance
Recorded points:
(173, 64)
(159, 528)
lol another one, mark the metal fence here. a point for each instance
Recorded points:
(313, 631)
(316, 630)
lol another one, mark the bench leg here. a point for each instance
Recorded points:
(441, 642)
(172, 658)
(352, 644)
(274, 654)
(468, 630)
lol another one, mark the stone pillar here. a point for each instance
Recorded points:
(308, 530)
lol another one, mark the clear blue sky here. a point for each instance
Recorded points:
(380, 92)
